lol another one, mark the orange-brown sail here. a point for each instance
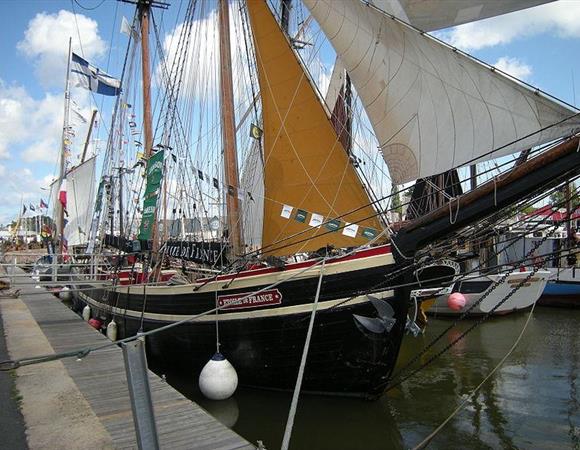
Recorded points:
(307, 172)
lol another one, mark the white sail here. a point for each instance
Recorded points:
(430, 15)
(252, 182)
(80, 186)
(431, 107)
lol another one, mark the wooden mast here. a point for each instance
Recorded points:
(62, 172)
(144, 7)
(228, 132)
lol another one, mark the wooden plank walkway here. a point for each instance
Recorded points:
(101, 379)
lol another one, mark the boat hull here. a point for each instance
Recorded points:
(264, 338)
(563, 288)
(521, 299)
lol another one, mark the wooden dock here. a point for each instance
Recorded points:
(101, 380)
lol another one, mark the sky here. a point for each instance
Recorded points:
(540, 45)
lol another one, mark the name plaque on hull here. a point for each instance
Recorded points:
(237, 301)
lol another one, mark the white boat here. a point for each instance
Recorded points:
(477, 286)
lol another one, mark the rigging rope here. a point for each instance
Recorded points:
(468, 397)
(298, 386)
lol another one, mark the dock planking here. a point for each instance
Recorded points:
(101, 379)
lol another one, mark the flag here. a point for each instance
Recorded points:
(43, 204)
(23, 209)
(200, 174)
(255, 131)
(31, 207)
(127, 29)
(216, 183)
(93, 79)
(62, 194)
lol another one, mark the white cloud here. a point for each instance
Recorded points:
(561, 18)
(46, 43)
(514, 67)
(33, 128)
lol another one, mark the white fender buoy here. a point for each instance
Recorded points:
(218, 379)
(65, 293)
(112, 330)
(86, 313)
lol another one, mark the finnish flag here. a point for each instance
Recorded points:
(93, 79)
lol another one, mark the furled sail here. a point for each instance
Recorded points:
(252, 181)
(433, 108)
(308, 178)
(80, 185)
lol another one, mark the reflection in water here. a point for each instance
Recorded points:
(531, 402)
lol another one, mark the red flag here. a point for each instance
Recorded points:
(62, 194)
(42, 204)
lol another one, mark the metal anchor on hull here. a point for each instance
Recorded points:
(381, 324)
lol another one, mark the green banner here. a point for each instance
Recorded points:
(99, 201)
(154, 178)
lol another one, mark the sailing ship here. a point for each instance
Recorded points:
(432, 109)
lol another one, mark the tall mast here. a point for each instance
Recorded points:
(62, 170)
(144, 7)
(228, 132)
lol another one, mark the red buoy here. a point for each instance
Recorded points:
(456, 301)
(95, 323)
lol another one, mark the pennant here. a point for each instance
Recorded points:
(316, 220)
(350, 229)
(216, 183)
(31, 207)
(300, 215)
(255, 131)
(174, 158)
(286, 211)
(332, 225)
(252, 199)
(23, 209)
(132, 124)
(200, 174)
(137, 144)
(93, 79)
(231, 190)
(369, 233)
(43, 204)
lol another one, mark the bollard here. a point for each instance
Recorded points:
(140, 393)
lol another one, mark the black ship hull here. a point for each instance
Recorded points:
(263, 336)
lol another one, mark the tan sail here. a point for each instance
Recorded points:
(305, 166)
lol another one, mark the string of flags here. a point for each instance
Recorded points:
(317, 220)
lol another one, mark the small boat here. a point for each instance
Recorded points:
(477, 286)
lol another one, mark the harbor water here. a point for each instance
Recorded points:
(532, 401)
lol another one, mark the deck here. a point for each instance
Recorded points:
(100, 378)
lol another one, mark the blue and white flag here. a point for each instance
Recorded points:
(93, 79)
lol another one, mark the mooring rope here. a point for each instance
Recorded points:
(294, 404)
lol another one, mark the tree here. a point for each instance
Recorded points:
(558, 197)
(395, 200)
